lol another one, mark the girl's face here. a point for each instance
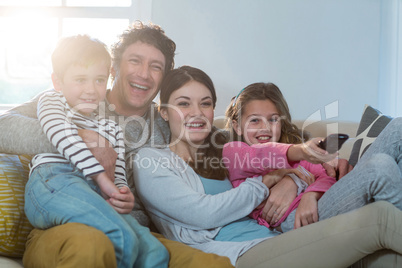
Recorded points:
(259, 123)
(190, 113)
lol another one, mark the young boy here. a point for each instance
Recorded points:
(69, 186)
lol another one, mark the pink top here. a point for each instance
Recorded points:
(245, 161)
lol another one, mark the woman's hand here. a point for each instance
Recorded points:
(307, 211)
(122, 202)
(280, 197)
(310, 152)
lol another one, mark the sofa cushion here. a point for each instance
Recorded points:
(14, 226)
(370, 126)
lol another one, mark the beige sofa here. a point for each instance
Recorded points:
(10, 263)
(318, 129)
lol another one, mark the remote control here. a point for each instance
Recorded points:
(333, 142)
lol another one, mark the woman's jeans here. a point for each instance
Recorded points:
(58, 193)
(377, 176)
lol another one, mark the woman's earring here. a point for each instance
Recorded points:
(165, 119)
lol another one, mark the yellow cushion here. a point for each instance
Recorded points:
(14, 226)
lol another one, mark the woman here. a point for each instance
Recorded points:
(184, 189)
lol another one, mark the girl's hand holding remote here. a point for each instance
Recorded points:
(310, 151)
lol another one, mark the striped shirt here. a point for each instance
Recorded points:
(60, 123)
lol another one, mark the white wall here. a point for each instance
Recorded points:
(321, 53)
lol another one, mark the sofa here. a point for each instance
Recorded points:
(14, 227)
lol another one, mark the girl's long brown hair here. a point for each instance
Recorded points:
(290, 133)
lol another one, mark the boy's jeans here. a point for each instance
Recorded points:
(58, 193)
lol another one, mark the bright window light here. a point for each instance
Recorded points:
(98, 3)
(28, 46)
(75, 3)
(29, 34)
(106, 30)
(30, 3)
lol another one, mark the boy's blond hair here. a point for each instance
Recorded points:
(78, 50)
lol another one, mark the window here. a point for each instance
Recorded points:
(30, 29)
(390, 75)
(399, 63)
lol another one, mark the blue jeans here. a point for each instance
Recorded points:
(58, 193)
(377, 176)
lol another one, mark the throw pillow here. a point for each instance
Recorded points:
(14, 226)
(370, 126)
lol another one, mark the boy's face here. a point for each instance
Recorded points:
(138, 78)
(83, 86)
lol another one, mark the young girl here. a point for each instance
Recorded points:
(259, 116)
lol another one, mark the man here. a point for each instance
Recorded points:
(140, 59)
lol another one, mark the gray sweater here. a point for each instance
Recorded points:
(21, 133)
(175, 199)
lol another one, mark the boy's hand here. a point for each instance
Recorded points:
(122, 202)
(101, 149)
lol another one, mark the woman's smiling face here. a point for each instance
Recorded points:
(190, 112)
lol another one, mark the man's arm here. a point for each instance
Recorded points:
(101, 149)
(20, 131)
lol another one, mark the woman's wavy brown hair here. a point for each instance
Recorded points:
(290, 133)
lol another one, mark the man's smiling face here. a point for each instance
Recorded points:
(137, 81)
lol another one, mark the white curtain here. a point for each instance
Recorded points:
(390, 62)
